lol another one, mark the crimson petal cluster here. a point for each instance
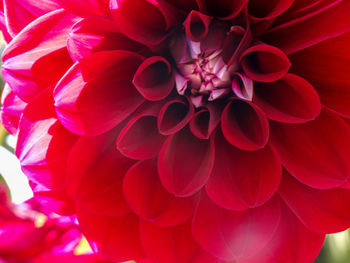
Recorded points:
(185, 131)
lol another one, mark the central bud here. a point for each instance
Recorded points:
(206, 57)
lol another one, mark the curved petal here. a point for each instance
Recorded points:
(243, 179)
(244, 125)
(266, 10)
(11, 109)
(174, 115)
(302, 31)
(292, 242)
(322, 211)
(154, 78)
(242, 86)
(87, 8)
(185, 163)
(96, 94)
(140, 138)
(116, 237)
(291, 99)
(95, 175)
(326, 66)
(35, 59)
(91, 35)
(141, 20)
(147, 197)
(264, 63)
(230, 234)
(316, 153)
(197, 25)
(19, 13)
(223, 9)
(43, 144)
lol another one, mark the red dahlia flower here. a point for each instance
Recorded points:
(186, 131)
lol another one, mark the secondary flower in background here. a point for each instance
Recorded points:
(185, 131)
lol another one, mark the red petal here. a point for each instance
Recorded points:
(185, 163)
(316, 153)
(96, 93)
(95, 175)
(147, 197)
(86, 8)
(243, 179)
(197, 25)
(223, 9)
(229, 234)
(303, 31)
(326, 66)
(140, 138)
(242, 86)
(322, 211)
(116, 237)
(244, 125)
(264, 63)
(11, 110)
(43, 144)
(291, 99)
(154, 78)
(174, 115)
(292, 242)
(19, 13)
(35, 59)
(141, 20)
(205, 121)
(268, 9)
(90, 35)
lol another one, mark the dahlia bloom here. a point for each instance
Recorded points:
(185, 131)
(28, 236)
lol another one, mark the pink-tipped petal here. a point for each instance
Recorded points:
(196, 159)
(149, 200)
(244, 125)
(242, 86)
(291, 99)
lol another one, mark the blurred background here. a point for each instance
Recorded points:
(336, 248)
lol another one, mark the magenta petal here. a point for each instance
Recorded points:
(197, 25)
(95, 175)
(316, 153)
(322, 211)
(90, 35)
(19, 13)
(174, 115)
(291, 99)
(141, 20)
(96, 93)
(196, 158)
(230, 235)
(326, 66)
(244, 125)
(292, 242)
(86, 8)
(117, 237)
(11, 110)
(243, 179)
(242, 86)
(303, 31)
(140, 138)
(149, 200)
(223, 9)
(34, 59)
(154, 79)
(264, 63)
